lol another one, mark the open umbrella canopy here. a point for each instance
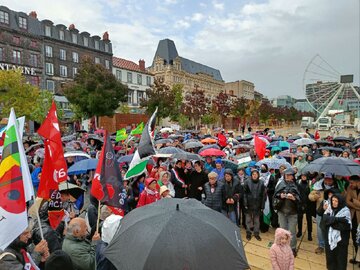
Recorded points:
(304, 141)
(176, 234)
(294, 138)
(163, 141)
(274, 163)
(126, 159)
(242, 146)
(209, 140)
(74, 190)
(331, 149)
(83, 166)
(210, 146)
(212, 152)
(261, 138)
(335, 165)
(186, 156)
(323, 142)
(170, 150)
(341, 139)
(166, 129)
(193, 144)
(281, 144)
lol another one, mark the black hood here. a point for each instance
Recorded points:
(341, 200)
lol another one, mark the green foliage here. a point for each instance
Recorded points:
(44, 101)
(177, 90)
(17, 93)
(209, 119)
(183, 121)
(95, 90)
(162, 96)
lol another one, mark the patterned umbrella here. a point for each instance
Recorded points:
(304, 141)
(273, 163)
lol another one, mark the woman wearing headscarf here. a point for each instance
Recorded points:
(337, 222)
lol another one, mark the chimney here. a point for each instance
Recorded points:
(142, 65)
(33, 14)
(106, 36)
(72, 26)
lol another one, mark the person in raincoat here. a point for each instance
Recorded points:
(149, 194)
(232, 196)
(300, 163)
(281, 255)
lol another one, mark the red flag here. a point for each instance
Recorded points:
(317, 135)
(222, 141)
(54, 168)
(260, 147)
(107, 184)
(55, 217)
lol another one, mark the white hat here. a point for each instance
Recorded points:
(163, 189)
(109, 227)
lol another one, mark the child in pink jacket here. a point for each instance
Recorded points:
(281, 255)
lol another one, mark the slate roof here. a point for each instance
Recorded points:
(126, 64)
(167, 51)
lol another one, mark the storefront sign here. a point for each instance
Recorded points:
(24, 70)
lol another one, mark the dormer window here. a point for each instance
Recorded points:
(96, 44)
(74, 38)
(61, 35)
(22, 22)
(86, 42)
(47, 31)
(4, 17)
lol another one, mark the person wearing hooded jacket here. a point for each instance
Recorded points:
(232, 196)
(197, 180)
(254, 203)
(164, 180)
(337, 222)
(149, 194)
(300, 163)
(288, 199)
(281, 255)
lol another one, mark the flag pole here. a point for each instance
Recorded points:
(98, 217)
(39, 221)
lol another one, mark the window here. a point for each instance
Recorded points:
(96, 44)
(16, 40)
(63, 71)
(62, 54)
(118, 74)
(22, 22)
(16, 57)
(49, 69)
(61, 35)
(74, 38)
(48, 51)
(148, 80)
(48, 30)
(106, 47)
(139, 79)
(1, 54)
(97, 60)
(33, 44)
(130, 97)
(107, 64)
(86, 41)
(4, 17)
(33, 60)
(129, 77)
(75, 57)
(140, 96)
(75, 70)
(50, 85)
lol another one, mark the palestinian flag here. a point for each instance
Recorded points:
(267, 213)
(145, 149)
(14, 192)
(138, 130)
(121, 135)
(107, 185)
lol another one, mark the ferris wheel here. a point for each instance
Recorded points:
(325, 88)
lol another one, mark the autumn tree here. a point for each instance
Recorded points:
(222, 104)
(195, 104)
(95, 90)
(266, 111)
(16, 93)
(165, 98)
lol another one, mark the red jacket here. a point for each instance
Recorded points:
(148, 196)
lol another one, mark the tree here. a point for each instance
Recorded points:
(162, 96)
(95, 90)
(195, 105)
(222, 104)
(177, 91)
(44, 101)
(266, 110)
(17, 93)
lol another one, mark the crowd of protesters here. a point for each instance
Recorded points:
(240, 194)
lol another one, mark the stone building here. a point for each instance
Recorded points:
(241, 89)
(175, 69)
(137, 79)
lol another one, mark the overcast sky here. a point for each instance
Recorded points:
(267, 42)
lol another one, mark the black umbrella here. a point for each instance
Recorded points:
(126, 159)
(163, 141)
(335, 165)
(186, 156)
(176, 234)
(193, 144)
(341, 139)
(356, 146)
(332, 149)
(294, 138)
(323, 142)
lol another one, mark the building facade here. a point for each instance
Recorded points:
(241, 89)
(137, 79)
(48, 55)
(303, 105)
(283, 101)
(174, 69)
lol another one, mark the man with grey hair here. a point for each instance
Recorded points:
(81, 251)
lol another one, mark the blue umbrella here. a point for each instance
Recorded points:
(281, 144)
(83, 166)
(126, 159)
